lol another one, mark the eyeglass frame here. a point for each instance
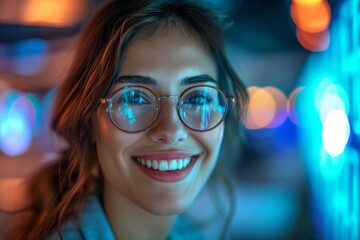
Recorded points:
(158, 98)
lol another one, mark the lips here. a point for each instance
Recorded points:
(166, 166)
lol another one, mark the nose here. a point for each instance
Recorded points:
(168, 128)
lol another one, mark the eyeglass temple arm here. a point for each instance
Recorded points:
(231, 99)
(105, 100)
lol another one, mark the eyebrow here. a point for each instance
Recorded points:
(136, 79)
(146, 80)
(198, 79)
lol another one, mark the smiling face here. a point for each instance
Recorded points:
(167, 63)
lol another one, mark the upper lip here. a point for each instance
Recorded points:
(166, 155)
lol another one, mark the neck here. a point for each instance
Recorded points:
(130, 221)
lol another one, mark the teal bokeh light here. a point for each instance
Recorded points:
(330, 139)
(15, 129)
(355, 114)
(333, 97)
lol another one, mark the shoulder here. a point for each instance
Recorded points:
(91, 225)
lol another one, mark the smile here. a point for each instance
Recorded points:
(166, 167)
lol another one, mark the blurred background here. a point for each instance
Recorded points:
(297, 176)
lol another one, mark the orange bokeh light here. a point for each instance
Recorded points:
(249, 122)
(311, 16)
(261, 108)
(307, 1)
(52, 12)
(315, 42)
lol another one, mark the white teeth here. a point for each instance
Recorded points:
(186, 161)
(155, 164)
(180, 164)
(165, 165)
(173, 165)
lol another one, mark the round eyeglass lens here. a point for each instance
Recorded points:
(133, 109)
(202, 108)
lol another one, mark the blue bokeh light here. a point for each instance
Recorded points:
(30, 56)
(15, 130)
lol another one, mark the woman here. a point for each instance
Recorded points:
(143, 115)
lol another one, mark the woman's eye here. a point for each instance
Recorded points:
(133, 98)
(199, 99)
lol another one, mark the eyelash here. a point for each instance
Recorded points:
(133, 96)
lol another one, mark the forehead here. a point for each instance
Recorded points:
(168, 56)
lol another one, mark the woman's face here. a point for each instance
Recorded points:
(168, 58)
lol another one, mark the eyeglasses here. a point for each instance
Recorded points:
(135, 108)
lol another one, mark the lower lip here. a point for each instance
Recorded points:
(167, 176)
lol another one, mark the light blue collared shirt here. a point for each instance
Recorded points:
(94, 225)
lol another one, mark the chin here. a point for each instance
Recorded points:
(169, 208)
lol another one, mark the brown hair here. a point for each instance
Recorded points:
(59, 190)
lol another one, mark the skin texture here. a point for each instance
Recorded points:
(133, 201)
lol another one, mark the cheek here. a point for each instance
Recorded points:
(214, 138)
(211, 140)
(221, 133)
(112, 145)
(110, 142)
(106, 133)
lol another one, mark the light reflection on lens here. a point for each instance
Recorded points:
(135, 108)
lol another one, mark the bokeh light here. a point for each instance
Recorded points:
(292, 103)
(355, 103)
(335, 132)
(330, 167)
(330, 102)
(30, 56)
(315, 42)
(330, 142)
(329, 96)
(307, 1)
(280, 107)
(35, 117)
(312, 19)
(28, 105)
(319, 91)
(261, 108)
(54, 12)
(311, 16)
(15, 130)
